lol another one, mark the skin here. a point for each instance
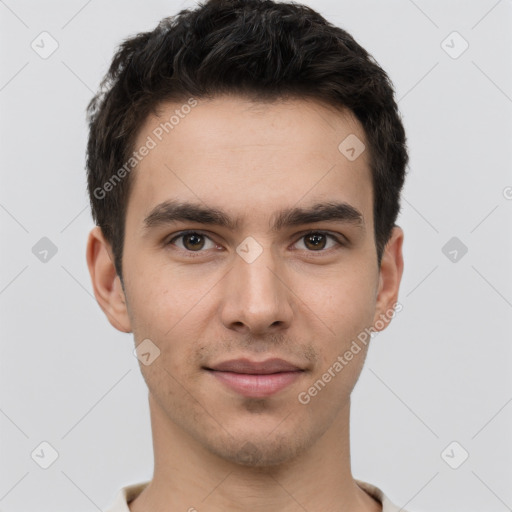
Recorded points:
(215, 449)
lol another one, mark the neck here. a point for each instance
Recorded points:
(189, 477)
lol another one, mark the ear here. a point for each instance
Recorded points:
(390, 275)
(105, 281)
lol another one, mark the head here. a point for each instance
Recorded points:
(233, 121)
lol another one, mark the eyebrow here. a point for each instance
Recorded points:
(178, 211)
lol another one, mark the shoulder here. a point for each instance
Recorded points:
(375, 492)
(125, 495)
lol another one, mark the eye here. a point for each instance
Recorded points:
(193, 241)
(316, 241)
(196, 242)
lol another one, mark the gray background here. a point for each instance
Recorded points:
(440, 373)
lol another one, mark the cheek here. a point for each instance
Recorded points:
(344, 301)
(158, 300)
(166, 310)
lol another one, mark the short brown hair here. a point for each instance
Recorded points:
(257, 48)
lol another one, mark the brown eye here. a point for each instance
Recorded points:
(192, 241)
(315, 241)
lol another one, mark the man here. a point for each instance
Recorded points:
(245, 162)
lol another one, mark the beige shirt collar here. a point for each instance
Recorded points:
(130, 492)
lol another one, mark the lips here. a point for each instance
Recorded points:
(256, 368)
(255, 379)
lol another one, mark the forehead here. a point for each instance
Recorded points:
(238, 155)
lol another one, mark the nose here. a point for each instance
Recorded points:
(257, 298)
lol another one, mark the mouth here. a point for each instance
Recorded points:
(255, 379)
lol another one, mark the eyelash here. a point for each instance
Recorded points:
(194, 254)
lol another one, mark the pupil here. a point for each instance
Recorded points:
(196, 241)
(315, 238)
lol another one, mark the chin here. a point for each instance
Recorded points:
(262, 453)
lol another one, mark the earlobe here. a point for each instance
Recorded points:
(390, 276)
(106, 283)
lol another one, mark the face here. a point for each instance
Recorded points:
(250, 263)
